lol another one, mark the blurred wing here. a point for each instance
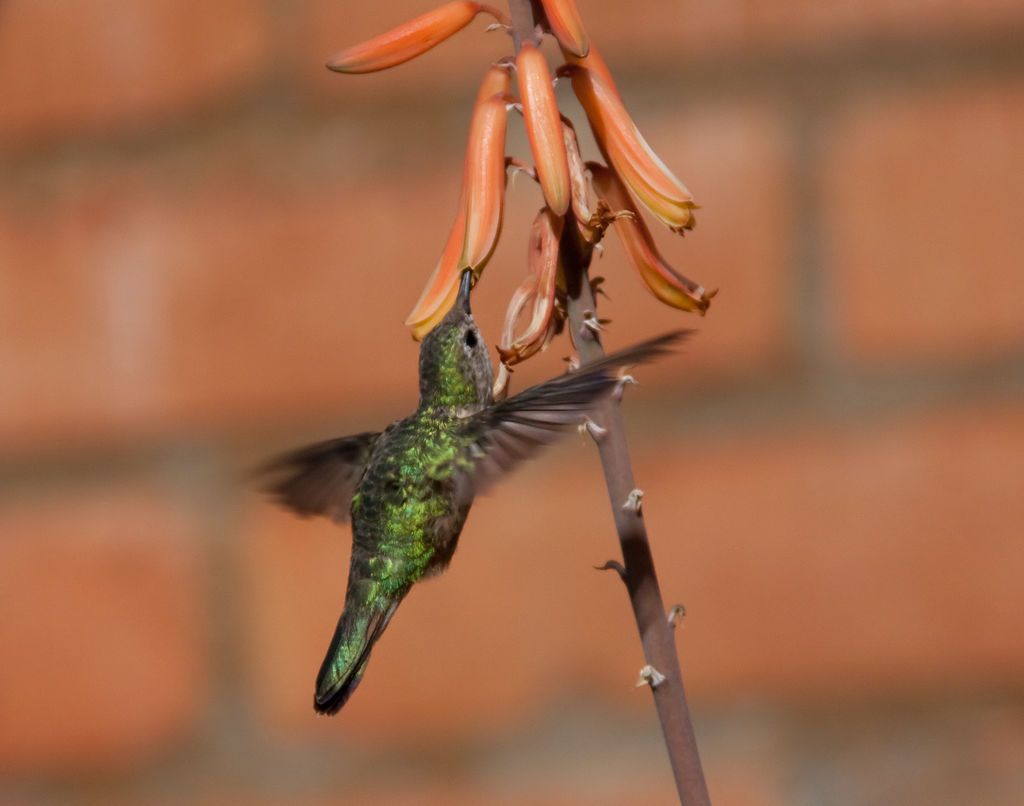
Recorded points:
(320, 479)
(514, 429)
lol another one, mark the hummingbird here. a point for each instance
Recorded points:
(408, 489)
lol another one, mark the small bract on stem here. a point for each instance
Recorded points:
(581, 200)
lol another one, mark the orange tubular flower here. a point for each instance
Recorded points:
(497, 81)
(442, 287)
(567, 26)
(663, 281)
(595, 64)
(625, 148)
(543, 126)
(410, 39)
(538, 287)
(484, 181)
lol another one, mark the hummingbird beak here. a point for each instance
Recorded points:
(464, 286)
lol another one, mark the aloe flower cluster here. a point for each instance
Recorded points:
(587, 196)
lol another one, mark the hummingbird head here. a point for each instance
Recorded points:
(455, 369)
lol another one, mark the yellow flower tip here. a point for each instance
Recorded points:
(484, 181)
(543, 127)
(661, 279)
(567, 26)
(687, 219)
(408, 40)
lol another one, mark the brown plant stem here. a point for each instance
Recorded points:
(524, 25)
(638, 573)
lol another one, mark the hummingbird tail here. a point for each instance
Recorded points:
(357, 631)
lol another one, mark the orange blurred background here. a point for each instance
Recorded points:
(208, 245)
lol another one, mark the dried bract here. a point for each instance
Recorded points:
(578, 182)
(537, 290)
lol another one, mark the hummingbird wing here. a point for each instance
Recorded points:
(320, 479)
(502, 435)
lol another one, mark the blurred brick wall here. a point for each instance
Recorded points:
(207, 247)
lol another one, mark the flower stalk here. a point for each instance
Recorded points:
(638, 573)
(581, 200)
(637, 570)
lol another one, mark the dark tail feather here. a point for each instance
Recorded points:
(357, 631)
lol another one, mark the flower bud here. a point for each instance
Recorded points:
(567, 26)
(408, 40)
(543, 126)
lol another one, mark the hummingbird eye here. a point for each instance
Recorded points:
(470, 339)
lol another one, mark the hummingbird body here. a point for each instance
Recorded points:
(408, 490)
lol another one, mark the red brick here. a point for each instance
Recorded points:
(94, 64)
(912, 282)
(101, 628)
(681, 29)
(877, 559)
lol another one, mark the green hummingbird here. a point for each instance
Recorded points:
(408, 489)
